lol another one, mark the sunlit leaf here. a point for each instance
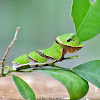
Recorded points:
(86, 17)
(79, 11)
(23, 88)
(89, 71)
(76, 86)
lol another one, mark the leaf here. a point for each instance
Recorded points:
(86, 17)
(79, 11)
(76, 86)
(23, 88)
(89, 71)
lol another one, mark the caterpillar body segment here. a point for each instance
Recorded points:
(64, 43)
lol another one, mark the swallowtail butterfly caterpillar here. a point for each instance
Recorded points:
(63, 44)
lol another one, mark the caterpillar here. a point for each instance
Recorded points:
(65, 43)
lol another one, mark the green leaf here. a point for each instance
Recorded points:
(79, 11)
(86, 17)
(23, 88)
(89, 71)
(76, 86)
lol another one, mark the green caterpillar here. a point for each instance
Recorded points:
(63, 44)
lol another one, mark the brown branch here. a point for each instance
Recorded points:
(11, 44)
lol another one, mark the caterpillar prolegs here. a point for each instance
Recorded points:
(63, 44)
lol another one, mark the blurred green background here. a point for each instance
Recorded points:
(41, 21)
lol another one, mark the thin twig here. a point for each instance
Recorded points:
(11, 44)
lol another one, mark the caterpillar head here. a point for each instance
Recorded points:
(69, 42)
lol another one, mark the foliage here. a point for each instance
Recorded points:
(86, 18)
(89, 71)
(23, 88)
(76, 86)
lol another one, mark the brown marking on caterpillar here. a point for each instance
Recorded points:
(68, 49)
(31, 58)
(44, 55)
(50, 60)
(17, 65)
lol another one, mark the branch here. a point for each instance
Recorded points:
(11, 44)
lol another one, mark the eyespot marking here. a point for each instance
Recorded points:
(69, 40)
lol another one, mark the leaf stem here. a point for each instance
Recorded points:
(8, 72)
(72, 57)
(68, 69)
